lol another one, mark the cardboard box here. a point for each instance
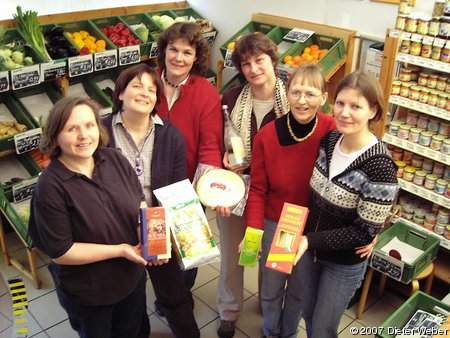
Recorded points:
(374, 58)
(155, 233)
(250, 247)
(287, 238)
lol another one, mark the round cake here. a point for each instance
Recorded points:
(220, 187)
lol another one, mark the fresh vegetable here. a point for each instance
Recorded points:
(86, 42)
(120, 35)
(28, 24)
(12, 52)
(57, 45)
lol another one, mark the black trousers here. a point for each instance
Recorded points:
(120, 320)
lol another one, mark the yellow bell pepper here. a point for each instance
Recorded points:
(90, 38)
(76, 35)
(101, 45)
(84, 34)
(79, 42)
(89, 44)
(70, 35)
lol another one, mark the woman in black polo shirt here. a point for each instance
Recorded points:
(84, 215)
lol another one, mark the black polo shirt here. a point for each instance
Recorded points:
(68, 207)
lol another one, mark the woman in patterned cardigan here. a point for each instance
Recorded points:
(354, 184)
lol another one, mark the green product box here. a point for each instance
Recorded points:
(250, 248)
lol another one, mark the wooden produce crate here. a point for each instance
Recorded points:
(149, 48)
(418, 301)
(402, 271)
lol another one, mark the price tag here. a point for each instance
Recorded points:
(80, 65)
(105, 60)
(298, 34)
(153, 50)
(228, 63)
(387, 265)
(416, 37)
(406, 35)
(401, 57)
(445, 202)
(129, 55)
(409, 146)
(28, 140)
(394, 33)
(4, 82)
(414, 189)
(210, 36)
(428, 40)
(439, 42)
(24, 189)
(25, 77)
(430, 153)
(421, 62)
(53, 70)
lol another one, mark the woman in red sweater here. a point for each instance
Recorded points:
(284, 153)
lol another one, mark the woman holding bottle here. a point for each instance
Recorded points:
(156, 150)
(190, 102)
(259, 101)
(354, 184)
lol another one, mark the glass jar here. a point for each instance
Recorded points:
(438, 169)
(404, 7)
(397, 155)
(438, 9)
(445, 54)
(394, 127)
(425, 138)
(423, 79)
(422, 121)
(407, 155)
(447, 232)
(427, 165)
(401, 167)
(432, 81)
(426, 51)
(412, 117)
(405, 74)
(433, 29)
(444, 128)
(414, 134)
(416, 48)
(411, 23)
(424, 95)
(439, 228)
(443, 216)
(419, 177)
(405, 46)
(442, 100)
(433, 125)
(417, 161)
(440, 186)
(403, 132)
(430, 181)
(433, 97)
(444, 27)
(446, 146)
(404, 90)
(396, 85)
(414, 94)
(423, 24)
(436, 52)
(436, 142)
(408, 173)
(441, 83)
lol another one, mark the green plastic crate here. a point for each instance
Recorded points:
(276, 35)
(251, 27)
(161, 13)
(13, 34)
(47, 28)
(190, 14)
(47, 89)
(86, 25)
(150, 47)
(27, 165)
(13, 218)
(418, 301)
(336, 52)
(20, 115)
(418, 239)
(95, 93)
(98, 77)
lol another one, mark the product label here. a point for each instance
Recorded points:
(238, 147)
(25, 77)
(106, 59)
(4, 81)
(53, 70)
(129, 55)
(250, 247)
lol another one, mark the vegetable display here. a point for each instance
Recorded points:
(120, 35)
(8, 128)
(57, 45)
(86, 42)
(28, 25)
(12, 52)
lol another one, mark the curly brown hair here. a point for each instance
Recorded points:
(192, 33)
(57, 119)
(254, 44)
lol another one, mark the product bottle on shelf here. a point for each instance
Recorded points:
(234, 145)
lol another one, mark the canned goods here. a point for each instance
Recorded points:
(417, 220)
(400, 22)
(408, 208)
(438, 9)
(396, 85)
(423, 24)
(425, 138)
(442, 100)
(419, 177)
(394, 127)
(403, 132)
(447, 173)
(416, 48)
(440, 186)
(426, 51)
(419, 212)
(447, 191)
(411, 23)
(436, 52)
(423, 79)
(405, 74)
(428, 226)
(397, 155)
(430, 181)
(445, 55)
(439, 228)
(446, 146)
(414, 134)
(408, 173)
(404, 7)
(436, 142)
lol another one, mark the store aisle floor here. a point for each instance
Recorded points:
(46, 318)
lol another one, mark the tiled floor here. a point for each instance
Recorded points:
(46, 318)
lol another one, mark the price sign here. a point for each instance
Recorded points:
(439, 42)
(210, 37)
(228, 63)
(129, 55)
(409, 146)
(298, 34)
(153, 50)
(394, 33)
(28, 140)
(387, 265)
(24, 189)
(80, 65)
(53, 70)
(414, 189)
(4, 82)
(106, 59)
(25, 77)
(428, 40)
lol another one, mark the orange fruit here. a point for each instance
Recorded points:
(289, 62)
(307, 50)
(297, 59)
(315, 54)
(314, 47)
(308, 57)
(231, 45)
(287, 58)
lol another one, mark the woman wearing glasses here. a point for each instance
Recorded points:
(284, 153)
(156, 150)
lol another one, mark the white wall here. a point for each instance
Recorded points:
(364, 16)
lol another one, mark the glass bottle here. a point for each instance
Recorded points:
(234, 145)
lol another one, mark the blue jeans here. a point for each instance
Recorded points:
(281, 304)
(326, 289)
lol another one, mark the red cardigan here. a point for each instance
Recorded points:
(281, 173)
(197, 114)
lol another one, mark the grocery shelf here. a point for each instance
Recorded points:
(417, 148)
(445, 243)
(422, 192)
(424, 62)
(422, 107)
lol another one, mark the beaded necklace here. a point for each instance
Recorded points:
(170, 83)
(291, 132)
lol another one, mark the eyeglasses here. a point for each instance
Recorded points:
(309, 96)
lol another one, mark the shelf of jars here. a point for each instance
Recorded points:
(424, 62)
(425, 193)
(417, 148)
(423, 107)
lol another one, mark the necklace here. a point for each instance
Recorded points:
(170, 83)
(291, 132)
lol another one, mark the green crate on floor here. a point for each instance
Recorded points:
(418, 301)
(251, 27)
(47, 92)
(150, 47)
(336, 52)
(189, 14)
(18, 114)
(419, 239)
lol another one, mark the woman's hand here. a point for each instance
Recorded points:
(132, 253)
(227, 165)
(303, 246)
(222, 211)
(366, 250)
(158, 261)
